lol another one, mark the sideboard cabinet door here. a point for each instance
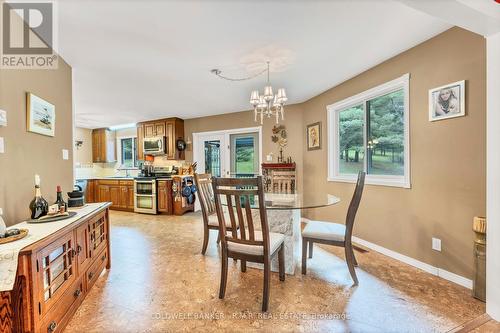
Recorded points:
(56, 267)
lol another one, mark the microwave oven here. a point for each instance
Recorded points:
(154, 146)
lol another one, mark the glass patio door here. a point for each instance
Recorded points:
(244, 154)
(211, 155)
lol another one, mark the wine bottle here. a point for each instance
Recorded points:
(63, 206)
(38, 206)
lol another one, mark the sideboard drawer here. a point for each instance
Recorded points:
(55, 319)
(96, 268)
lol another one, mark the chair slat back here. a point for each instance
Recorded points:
(237, 194)
(353, 206)
(205, 194)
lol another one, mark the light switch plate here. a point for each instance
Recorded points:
(3, 118)
(65, 153)
(269, 158)
(2, 146)
(436, 244)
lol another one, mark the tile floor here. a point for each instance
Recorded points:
(159, 282)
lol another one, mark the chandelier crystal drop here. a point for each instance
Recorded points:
(268, 104)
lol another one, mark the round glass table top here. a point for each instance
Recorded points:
(277, 201)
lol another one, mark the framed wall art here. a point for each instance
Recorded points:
(447, 101)
(40, 115)
(314, 136)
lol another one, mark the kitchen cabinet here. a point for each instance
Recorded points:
(103, 146)
(119, 192)
(103, 193)
(164, 194)
(154, 128)
(114, 196)
(171, 128)
(55, 274)
(140, 142)
(90, 191)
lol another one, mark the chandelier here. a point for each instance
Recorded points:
(264, 105)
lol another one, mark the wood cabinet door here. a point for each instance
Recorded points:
(162, 196)
(82, 247)
(96, 146)
(104, 195)
(109, 146)
(98, 234)
(56, 271)
(140, 142)
(170, 134)
(114, 196)
(89, 192)
(123, 196)
(160, 128)
(130, 197)
(149, 130)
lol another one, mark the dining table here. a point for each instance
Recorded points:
(284, 216)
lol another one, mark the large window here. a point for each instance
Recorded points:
(128, 152)
(370, 132)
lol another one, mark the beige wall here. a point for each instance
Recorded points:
(83, 155)
(448, 170)
(293, 124)
(26, 153)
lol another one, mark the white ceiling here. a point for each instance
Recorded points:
(139, 60)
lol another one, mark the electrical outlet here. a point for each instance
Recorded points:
(436, 244)
(65, 154)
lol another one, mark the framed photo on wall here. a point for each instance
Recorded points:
(313, 133)
(447, 101)
(40, 115)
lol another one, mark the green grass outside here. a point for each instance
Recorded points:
(382, 165)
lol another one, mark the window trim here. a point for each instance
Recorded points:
(119, 150)
(402, 82)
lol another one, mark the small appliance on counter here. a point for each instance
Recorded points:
(76, 197)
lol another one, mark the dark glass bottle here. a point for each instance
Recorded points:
(60, 201)
(38, 206)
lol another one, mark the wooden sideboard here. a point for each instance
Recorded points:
(55, 274)
(279, 177)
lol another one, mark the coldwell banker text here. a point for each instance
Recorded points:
(28, 39)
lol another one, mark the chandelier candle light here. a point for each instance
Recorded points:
(268, 104)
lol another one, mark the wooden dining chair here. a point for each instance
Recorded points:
(210, 220)
(334, 233)
(247, 243)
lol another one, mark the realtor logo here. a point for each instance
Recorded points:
(28, 39)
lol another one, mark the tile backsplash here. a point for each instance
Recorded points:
(98, 170)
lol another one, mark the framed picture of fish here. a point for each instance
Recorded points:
(40, 115)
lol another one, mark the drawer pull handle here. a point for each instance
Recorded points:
(52, 326)
(77, 292)
(79, 249)
(91, 274)
(103, 257)
(73, 253)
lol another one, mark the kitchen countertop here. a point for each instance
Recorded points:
(130, 178)
(106, 178)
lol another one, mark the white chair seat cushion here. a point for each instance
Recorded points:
(275, 241)
(213, 220)
(324, 230)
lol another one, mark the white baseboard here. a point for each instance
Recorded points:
(455, 278)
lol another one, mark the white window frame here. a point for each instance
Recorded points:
(333, 111)
(119, 149)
